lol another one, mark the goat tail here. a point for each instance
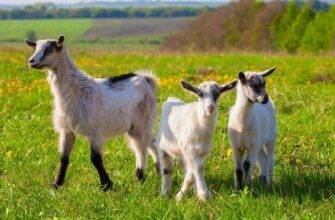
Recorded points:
(150, 77)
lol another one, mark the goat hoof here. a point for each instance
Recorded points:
(263, 179)
(55, 185)
(179, 196)
(106, 186)
(205, 196)
(239, 186)
(139, 174)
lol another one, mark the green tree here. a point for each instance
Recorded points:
(319, 34)
(297, 30)
(283, 23)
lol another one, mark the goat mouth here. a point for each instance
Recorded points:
(36, 66)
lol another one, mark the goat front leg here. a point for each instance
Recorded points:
(96, 158)
(238, 162)
(66, 142)
(249, 163)
(200, 182)
(271, 156)
(187, 183)
(263, 164)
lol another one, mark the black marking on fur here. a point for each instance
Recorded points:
(215, 93)
(256, 84)
(47, 51)
(166, 171)
(64, 162)
(246, 166)
(139, 174)
(96, 159)
(119, 78)
(239, 179)
(192, 88)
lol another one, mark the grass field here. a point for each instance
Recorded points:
(302, 88)
(138, 32)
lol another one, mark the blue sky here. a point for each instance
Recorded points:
(16, 2)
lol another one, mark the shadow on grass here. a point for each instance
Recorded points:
(293, 184)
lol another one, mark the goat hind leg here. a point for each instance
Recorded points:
(139, 146)
(166, 163)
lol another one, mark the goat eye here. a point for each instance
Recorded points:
(200, 94)
(49, 51)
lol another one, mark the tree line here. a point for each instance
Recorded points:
(42, 11)
(253, 25)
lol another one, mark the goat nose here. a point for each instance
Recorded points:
(265, 99)
(211, 109)
(31, 60)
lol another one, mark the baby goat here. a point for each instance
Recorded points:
(96, 108)
(252, 127)
(185, 133)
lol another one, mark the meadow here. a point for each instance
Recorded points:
(137, 32)
(302, 88)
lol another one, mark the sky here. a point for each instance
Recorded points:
(18, 2)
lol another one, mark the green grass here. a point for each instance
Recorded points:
(16, 30)
(305, 159)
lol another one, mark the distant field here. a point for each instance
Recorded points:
(107, 31)
(302, 88)
(16, 30)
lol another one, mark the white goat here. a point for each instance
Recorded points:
(185, 133)
(252, 127)
(96, 108)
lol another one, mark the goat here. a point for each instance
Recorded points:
(252, 127)
(96, 108)
(186, 133)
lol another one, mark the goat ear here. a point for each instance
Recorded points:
(60, 42)
(268, 72)
(30, 43)
(228, 86)
(191, 88)
(241, 77)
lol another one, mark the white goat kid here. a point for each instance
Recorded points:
(186, 133)
(96, 108)
(252, 127)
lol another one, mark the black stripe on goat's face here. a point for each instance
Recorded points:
(45, 51)
(254, 87)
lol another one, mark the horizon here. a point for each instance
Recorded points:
(69, 2)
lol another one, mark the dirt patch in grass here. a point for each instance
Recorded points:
(323, 78)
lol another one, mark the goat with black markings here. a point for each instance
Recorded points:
(252, 128)
(97, 108)
(186, 133)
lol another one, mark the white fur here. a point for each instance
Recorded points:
(186, 133)
(252, 127)
(97, 108)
